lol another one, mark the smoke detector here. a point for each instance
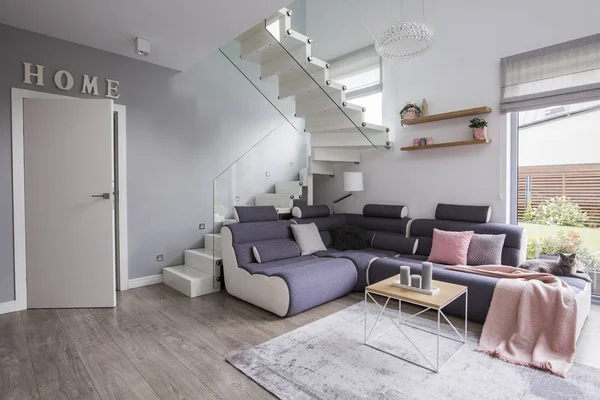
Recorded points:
(142, 46)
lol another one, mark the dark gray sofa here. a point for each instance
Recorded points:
(294, 284)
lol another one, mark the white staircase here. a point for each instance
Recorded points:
(196, 276)
(339, 131)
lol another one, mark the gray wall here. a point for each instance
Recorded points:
(183, 129)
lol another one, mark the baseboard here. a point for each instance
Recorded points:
(145, 281)
(8, 307)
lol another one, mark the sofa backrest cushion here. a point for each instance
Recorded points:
(395, 242)
(325, 224)
(305, 212)
(514, 243)
(385, 211)
(369, 224)
(374, 224)
(273, 250)
(454, 212)
(255, 213)
(308, 238)
(246, 235)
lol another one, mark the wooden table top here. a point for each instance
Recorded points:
(447, 293)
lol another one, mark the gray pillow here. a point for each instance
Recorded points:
(308, 238)
(485, 249)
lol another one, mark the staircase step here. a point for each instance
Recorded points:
(365, 127)
(308, 105)
(352, 139)
(319, 109)
(212, 241)
(336, 121)
(335, 155)
(305, 87)
(189, 281)
(291, 187)
(274, 199)
(205, 260)
(287, 64)
(321, 168)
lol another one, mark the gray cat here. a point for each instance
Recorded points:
(566, 265)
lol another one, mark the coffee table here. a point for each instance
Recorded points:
(448, 293)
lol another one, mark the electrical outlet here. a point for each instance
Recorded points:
(237, 198)
(267, 174)
(202, 226)
(159, 258)
(291, 164)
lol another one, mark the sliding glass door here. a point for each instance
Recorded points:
(556, 193)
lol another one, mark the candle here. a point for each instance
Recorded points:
(415, 281)
(405, 275)
(427, 273)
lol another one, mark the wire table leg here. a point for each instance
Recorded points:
(437, 368)
(365, 317)
(466, 302)
(400, 311)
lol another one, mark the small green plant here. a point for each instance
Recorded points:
(528, 212)
(408, 106)
(560, 211)
(478, 123)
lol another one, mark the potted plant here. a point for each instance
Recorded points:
(410, 111)
(479, 127)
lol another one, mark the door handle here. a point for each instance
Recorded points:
(105, 196)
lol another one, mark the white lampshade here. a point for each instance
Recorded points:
(353, 182)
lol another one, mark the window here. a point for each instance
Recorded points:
(361, 72)
(552, 94)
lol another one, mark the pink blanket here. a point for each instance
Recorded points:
(532, 319)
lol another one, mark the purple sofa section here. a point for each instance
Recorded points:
(314, 282)
(324, 276)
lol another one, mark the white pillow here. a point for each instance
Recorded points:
(308, 238)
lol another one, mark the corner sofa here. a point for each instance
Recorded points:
(291, 283)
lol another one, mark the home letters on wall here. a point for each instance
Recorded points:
(64, 81)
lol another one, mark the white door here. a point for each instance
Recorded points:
(69, 226)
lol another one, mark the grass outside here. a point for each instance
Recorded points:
(590, 236)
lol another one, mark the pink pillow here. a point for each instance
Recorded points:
(450, 247)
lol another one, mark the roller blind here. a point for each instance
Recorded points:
(561, 74)
(360, 71)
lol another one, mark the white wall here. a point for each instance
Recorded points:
(572, 140)
(461, 71)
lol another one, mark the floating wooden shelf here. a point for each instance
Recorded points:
(448, 115)
(448, 144)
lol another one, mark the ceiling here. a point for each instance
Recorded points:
(182, 32)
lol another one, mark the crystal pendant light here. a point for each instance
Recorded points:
(405, 40)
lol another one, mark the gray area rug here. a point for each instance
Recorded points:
(328, 360)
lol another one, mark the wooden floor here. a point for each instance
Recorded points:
(157, 344)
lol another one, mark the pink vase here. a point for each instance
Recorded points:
(411, 113)
(480, 133)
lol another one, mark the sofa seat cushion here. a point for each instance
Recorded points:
(258, 268)
(314, 282)
(361, 259)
